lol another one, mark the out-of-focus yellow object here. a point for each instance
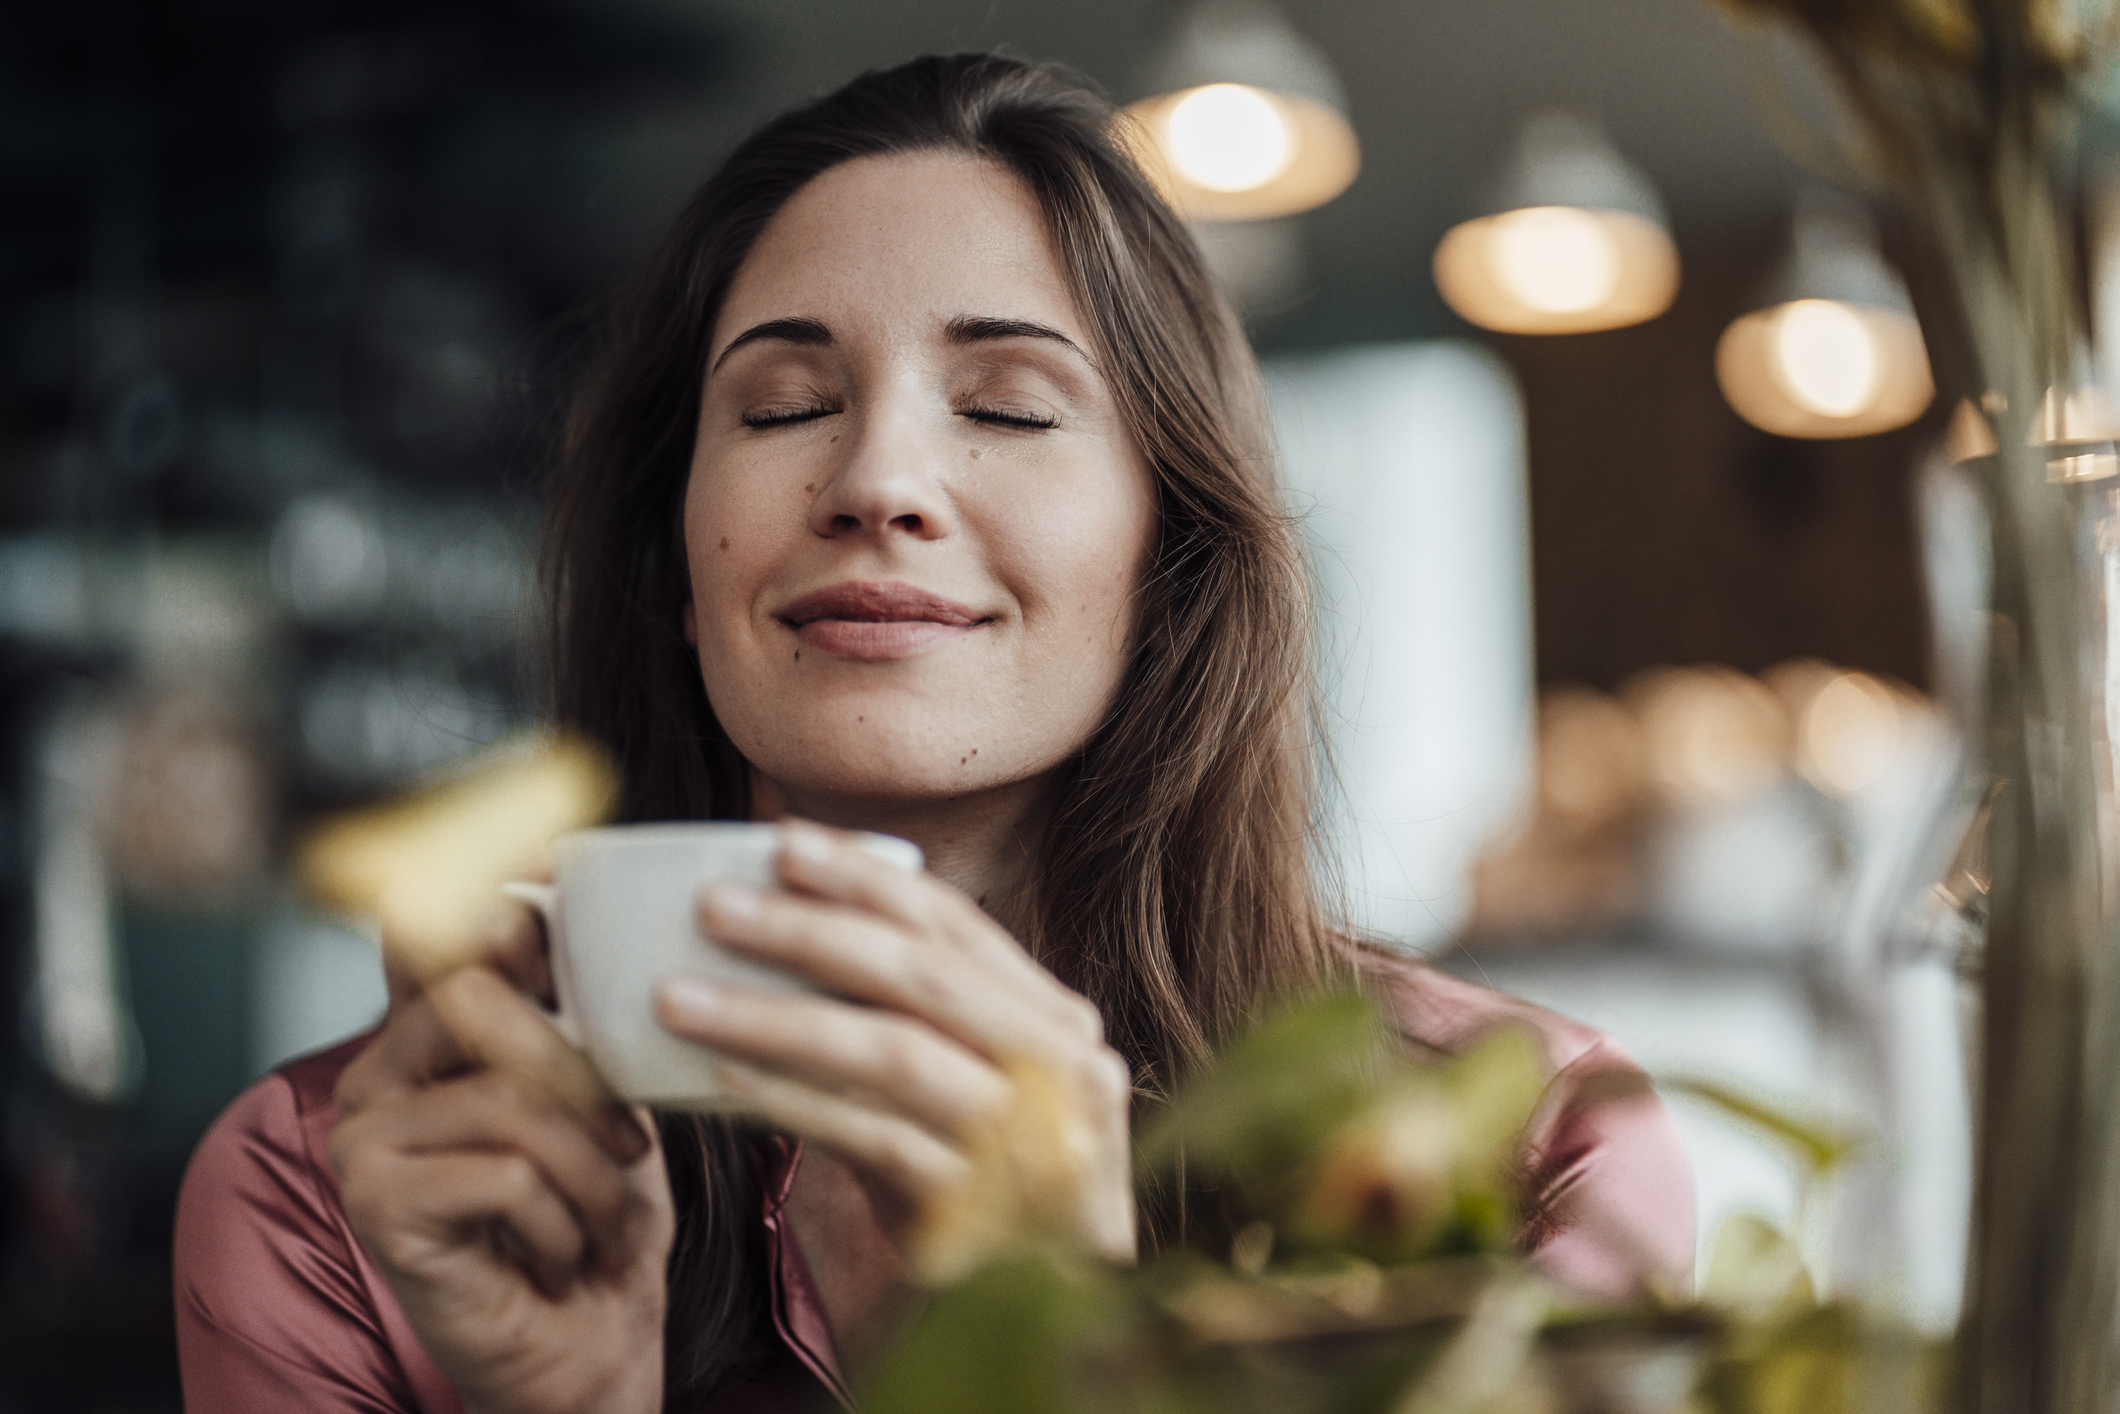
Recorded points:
(429, 866)
(1028, 1178)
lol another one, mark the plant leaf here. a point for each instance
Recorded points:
(1820, 1147)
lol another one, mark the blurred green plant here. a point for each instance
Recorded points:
(1374, 1269)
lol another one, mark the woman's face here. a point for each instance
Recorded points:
(915, 522)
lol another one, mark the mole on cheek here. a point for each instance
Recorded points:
(810, 490)
(978, 452)
(724, 542)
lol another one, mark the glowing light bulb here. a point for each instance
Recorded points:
(1228, 138)
(1826, 357)
(1555, 259)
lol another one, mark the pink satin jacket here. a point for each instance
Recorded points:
(280, 1308)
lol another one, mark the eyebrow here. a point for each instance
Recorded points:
(796, 330)
(964, 329)
(974, 329)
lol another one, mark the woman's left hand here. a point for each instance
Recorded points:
(903, 1065)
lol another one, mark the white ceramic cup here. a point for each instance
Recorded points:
(620, 917)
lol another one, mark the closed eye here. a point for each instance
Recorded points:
(999, 418)
(782, 417)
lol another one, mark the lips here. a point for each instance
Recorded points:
(877, 621)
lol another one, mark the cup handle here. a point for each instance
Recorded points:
(543, 900)
(539, 898)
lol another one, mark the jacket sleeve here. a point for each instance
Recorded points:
(1608, 1183)
(277, 1306)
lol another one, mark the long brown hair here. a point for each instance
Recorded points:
(1175, 884)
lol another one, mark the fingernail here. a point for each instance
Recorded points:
(811, 846)
(691, 996)
(732, 903)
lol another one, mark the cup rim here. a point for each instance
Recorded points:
(659, 830)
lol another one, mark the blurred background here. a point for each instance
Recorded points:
(1635, 697)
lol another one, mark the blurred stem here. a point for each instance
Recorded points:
(2039, 1328)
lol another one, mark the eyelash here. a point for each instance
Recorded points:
(790, 416)
(787, 416)
(1027, 421)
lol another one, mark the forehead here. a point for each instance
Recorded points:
(920, 237)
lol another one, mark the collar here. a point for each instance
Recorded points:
(798, 1309)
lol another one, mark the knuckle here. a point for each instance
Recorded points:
(897, 1058)
(394, 1249)
(923, 972)
(1118, 1076)
(365, 1199)
(515, 1180)
(504, 1094)
(902, 1155)
(1104, 1077)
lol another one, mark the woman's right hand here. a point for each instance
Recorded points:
(520, 1212)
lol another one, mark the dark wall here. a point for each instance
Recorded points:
(1667, 530)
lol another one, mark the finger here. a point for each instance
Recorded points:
(497, 1026)
(857, 955)
(414, 1049)
(508, 937)
(493, 1111)
(513, 937)
(895, 1149)
(912, 1067)
(442, 1201)
(833, 865)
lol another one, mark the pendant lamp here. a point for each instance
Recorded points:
(1571, 239)
(1247, 118)
(1835, 351)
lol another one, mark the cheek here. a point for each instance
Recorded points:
(1077, 574)
(728, 550)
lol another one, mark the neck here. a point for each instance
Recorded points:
(982, 843)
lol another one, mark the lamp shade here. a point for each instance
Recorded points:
(1246, 118)
(1837, 351)
(1571, 239)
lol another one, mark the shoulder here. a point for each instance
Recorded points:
(1442, 1012)
(276, 1302)
(1610, 1186)
(259, 1177)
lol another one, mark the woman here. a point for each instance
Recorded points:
(924, 487)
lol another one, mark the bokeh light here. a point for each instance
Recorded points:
(1850, 734)
(1557, 270)
(1825, 357)
(1715, 736)
(1825, 368)
(1229, 138)
(1554, 259)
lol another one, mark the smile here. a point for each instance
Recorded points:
(878, 621)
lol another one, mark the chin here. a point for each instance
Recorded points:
(885, 759)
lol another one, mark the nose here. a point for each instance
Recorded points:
(885, 486)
